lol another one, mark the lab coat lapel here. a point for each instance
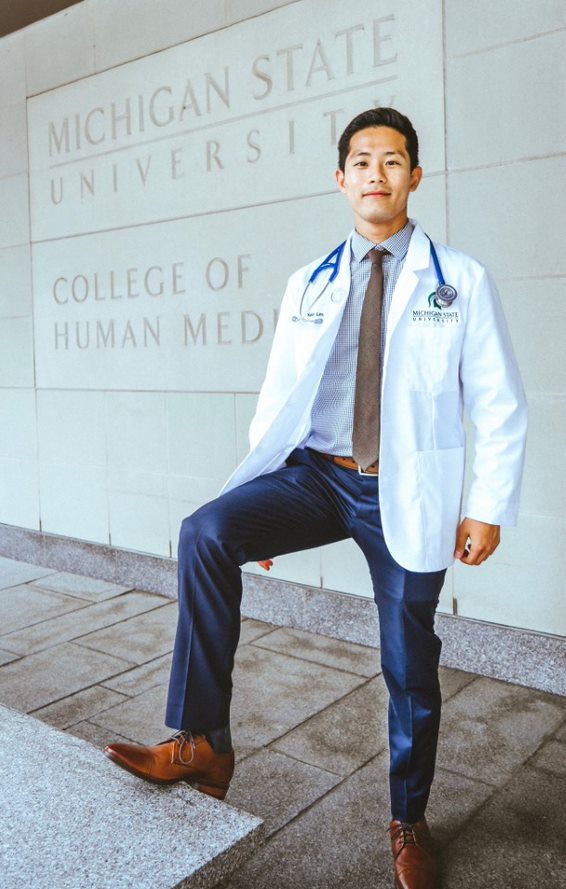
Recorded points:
(417, 259)
(337, 293)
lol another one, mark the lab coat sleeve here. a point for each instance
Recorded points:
(280, 375)
(495, 403)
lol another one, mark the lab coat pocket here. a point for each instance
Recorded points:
(436, 418)
(441, 474)
(435, 356)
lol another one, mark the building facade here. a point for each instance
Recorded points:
(165, 166)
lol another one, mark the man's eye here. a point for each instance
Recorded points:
(360, 164)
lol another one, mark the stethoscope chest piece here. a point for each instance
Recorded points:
(445, 295)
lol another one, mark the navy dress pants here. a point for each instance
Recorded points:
(307, 503)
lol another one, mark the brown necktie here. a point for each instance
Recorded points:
(365, 437)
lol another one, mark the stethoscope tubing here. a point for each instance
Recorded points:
(445, 293)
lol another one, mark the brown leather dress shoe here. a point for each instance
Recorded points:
(183, 757)
(414, 859)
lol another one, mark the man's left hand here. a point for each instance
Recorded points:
(483, 541)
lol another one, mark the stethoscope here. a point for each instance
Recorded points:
(332, 261)
(444, 295)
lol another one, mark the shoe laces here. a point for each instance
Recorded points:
(405, 833)
(184, 741)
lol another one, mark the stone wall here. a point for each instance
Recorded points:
(165, 166)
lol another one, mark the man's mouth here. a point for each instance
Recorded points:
(376, 194)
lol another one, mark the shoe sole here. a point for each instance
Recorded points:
(215, 790)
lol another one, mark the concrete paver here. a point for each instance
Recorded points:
(83, 587)
(94, 734)
(276, 787)
(490, 727)
(6, 657)
(273, 693)
(79, 706)
(340, 842)
(253, 629)
(22, 606)
(310, 728)
(323, 650)
(149, 635)
(39, 679)
(91, 617)
(139, 679)
(346, 734)
(140, 719)
(453, 800)
(517, 840)
(452, 681)
(551, 757)
(13, 572)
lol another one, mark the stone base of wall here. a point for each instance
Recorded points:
(514, 655)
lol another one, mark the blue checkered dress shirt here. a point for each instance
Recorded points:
(333, 409)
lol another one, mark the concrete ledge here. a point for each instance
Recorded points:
(71, 819)
(535, 660)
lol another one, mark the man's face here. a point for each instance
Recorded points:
(377, 180)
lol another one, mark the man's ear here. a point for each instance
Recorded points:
(416, 176)
(340, 179)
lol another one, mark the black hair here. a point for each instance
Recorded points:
(380, 117)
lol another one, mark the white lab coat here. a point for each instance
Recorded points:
(434, 368)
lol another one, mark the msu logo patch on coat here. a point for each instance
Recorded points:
(438, 313)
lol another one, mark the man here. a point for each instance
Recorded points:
(358, 433)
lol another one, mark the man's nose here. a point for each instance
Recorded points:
(377, 173)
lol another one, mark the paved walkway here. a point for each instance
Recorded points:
(92, 658)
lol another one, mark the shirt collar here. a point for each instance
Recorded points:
(397, 244)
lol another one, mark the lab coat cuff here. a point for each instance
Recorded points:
(492, 513)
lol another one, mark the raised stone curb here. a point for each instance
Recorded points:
(524, 657)
(70, 818)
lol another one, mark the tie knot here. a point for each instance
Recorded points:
(375, 255)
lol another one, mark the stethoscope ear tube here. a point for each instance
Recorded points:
(332, 261)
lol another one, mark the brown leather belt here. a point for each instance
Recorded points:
(350, 463)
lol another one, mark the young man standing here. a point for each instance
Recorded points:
(358, 432)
